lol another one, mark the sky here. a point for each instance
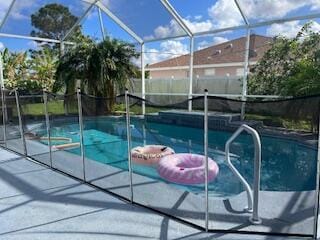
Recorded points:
(150, 20)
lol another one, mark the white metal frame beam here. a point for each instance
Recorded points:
(176, 17)
(7, 14)
(119, 22)
(79, 21)
(186, 29)
(1, 71)
(101, 23)
(259, 24)
(191, 73)
(166, 38)
(245, 73)
(246, 65)
(143, 83)
(139, 39)
(245, 19)
(33, 38)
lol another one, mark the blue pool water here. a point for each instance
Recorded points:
(287, 165)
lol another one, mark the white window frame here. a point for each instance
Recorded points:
(240, 72)
(210, 72)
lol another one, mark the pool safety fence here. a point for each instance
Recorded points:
(33, 125)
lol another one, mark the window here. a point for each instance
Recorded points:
(240, 72)
(209, 72)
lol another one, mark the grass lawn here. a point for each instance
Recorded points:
(136, 109)
(274, 121)
(54, 107)
(57, 108)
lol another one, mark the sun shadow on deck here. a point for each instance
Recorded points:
(66, 194)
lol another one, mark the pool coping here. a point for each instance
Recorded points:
(219, 206)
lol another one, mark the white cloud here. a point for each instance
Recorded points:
(289, 29)
(215, 40)
(4, 5)
(197, 26)
(203, 44)
(315, 26)
(268, 9)
(218, 40)
(315, 5)
(174, 47)
(224, 13)
(173, 29)
(167, 49)
(1, 46)
(20, 6)
(32, 44)
(93, 13)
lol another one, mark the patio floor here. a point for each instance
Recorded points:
(39, 203)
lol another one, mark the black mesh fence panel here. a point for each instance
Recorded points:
(164, 100)
(105, 143)
(2, 129)
(65, 133)
(34, 126)
(288, 129)
(13, 135)
(162, 131)
(174, 183)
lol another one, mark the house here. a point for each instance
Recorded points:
(224, 59)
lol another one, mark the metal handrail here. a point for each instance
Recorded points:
(253, 196)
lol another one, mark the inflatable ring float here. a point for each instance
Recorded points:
(66, 146)
(186, 168)
(150, 154)
(34, 136)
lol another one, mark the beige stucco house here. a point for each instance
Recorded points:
(224, 59)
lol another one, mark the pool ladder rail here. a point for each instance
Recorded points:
(252, 195)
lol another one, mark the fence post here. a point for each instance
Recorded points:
(191, 74)
(4, 117)
(245, 76)
(45, 101)
(81, 133)
(20, 122)
(205, 117)
(317, 197)
(143, 87)
(129, 142)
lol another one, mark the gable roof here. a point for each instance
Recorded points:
(227, 52)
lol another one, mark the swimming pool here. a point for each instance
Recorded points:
(287, 165)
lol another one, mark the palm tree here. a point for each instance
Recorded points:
(102, 69)
(43, 65)
(14, 68)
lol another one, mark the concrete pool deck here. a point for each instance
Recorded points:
(39, 203)
(281, 212)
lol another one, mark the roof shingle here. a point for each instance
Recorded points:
(227, 52)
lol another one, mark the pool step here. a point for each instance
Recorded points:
(216, 120)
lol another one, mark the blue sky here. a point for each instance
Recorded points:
(149, 20)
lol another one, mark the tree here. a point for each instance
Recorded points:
(53, 21)
(290, 67)
(29, 72)
(43, 64)
(15, 69)
(102, 69)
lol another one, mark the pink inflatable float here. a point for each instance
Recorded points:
(150, 154)
(185, 168)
